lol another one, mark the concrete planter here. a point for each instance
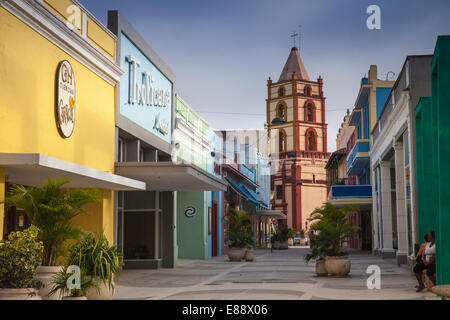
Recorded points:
(106, 293)
(249, 253)
(290, 242)
(45, 275)
(74, 298)
(236, 254)
(321, 270)
(19, 294)
(338, 266)
(281, 245)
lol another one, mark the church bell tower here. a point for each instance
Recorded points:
(297, 142)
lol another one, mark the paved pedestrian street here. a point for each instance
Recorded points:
(277, 275)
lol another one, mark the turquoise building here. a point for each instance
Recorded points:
(199, 213)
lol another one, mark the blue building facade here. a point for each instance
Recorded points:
(355, 187)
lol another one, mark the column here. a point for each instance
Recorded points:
(402, 220)
(157, 230)
(375, 244)
(387, 250)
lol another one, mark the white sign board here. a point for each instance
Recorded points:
(65, 99)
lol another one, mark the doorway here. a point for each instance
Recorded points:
(214, 228)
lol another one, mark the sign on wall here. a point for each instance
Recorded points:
(189, 212)
(65, 99)
(145, 92)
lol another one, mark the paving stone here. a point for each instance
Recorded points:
(278, 275)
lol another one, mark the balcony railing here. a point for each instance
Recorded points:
(349, 181)
(360, 146)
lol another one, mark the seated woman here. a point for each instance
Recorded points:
(426, 262)
(430, 258)
(420, 265)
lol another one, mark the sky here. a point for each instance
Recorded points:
(223, 52)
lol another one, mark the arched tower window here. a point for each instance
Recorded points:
(281, 141)
(308, 91)
(281, 111)
(310, 112)
(281, 92)
(311, 140)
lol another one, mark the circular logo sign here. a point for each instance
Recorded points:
(65, 99)
(189, 212)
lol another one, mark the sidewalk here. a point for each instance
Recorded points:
(282, 274)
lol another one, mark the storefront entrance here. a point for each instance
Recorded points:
(140, 228)
(214, 228)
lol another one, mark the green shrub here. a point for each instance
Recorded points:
(291, 233)
(302, 233)
(334, 227)
(97, 258)
(52, 209)
(239, 228)
(282, 234)
(20, 255)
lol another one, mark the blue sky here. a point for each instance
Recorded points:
(223, 52)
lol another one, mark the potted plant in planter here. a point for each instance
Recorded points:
(238, 227)
(60, 285)
(291, 234)
(249, 252)
(280, 238)
(100, 261)
(334, 227)
(51, 209)
(302, 237)
(318, 253)
(20, 255)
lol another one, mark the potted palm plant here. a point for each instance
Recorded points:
(302, 237)
(52, 209)
(318, 253)
(238, 227)
(291, 234)
(334, 227)
(280, 238)
(249, 252)
(100, 261)
(20, 255)
(60, 282)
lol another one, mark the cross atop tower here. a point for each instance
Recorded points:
(293, 35)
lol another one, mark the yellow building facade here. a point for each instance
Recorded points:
(36, 38)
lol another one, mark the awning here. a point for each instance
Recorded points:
(277, 214)
(169, 176)
(32, 169)
(256, 196)
(243, 192)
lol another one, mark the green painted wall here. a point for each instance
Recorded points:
(425, 135)
(191, 232)
(432, 158)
